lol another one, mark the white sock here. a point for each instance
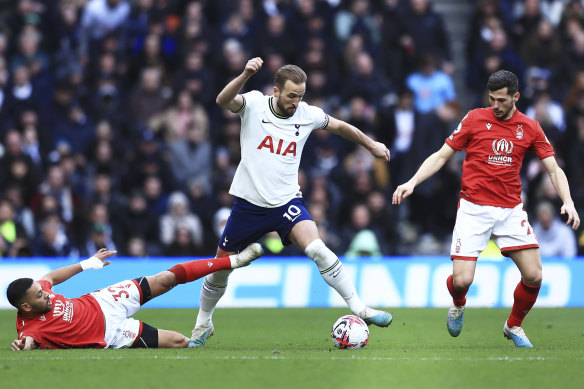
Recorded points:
(211, 292)
(332, 271)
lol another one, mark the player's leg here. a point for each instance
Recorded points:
(150, 337)
(171, 339)
(246, 223)
(471, 235)
(516, 239)
(528, 262)
(193, 270)
(458, 283)
(305, 235)
(213, 289)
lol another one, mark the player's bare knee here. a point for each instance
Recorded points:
(462, 281)
(533, 278)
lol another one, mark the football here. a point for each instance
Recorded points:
(350, 332)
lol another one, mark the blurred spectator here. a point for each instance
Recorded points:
(499, 54)
(137, 247)
(487, 16)
(554, 237)
(53, 242)
(149, 98)
(98, 229)
(17, 167)
(432, 88)
(422, 32)
(360, 237)
(366, 82)
(150, 158)
(179, 214)
(156, 198)
(197, 79)
(102, 192)
(357, 19)
(101, 17)
(55, 186)
(22, 213)
(13, 239)
(550, 116)
(22, 93)
(174, 123)
(277, 39)
(543, 48)
(134, 220)
(182, 244)
(29, 53)
(398, 130)
(191, 158)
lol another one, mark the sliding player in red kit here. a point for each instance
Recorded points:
(102, 319)
(496, 140)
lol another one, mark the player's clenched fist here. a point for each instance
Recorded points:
(253, 65)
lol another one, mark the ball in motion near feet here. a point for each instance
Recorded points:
(350, 332)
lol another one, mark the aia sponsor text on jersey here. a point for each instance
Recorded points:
(269, 144)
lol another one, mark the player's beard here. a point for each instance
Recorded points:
(46, 309)
(504, 115)
(285, 112)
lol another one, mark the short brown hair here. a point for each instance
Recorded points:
(289, 72)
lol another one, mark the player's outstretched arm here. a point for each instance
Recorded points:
(560, 182)
(24, 343)
(352, 133)
(229, 98)
(97, 261)
(430, 166)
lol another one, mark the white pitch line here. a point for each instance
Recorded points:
(279, 357)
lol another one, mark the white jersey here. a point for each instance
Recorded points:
(271, 147)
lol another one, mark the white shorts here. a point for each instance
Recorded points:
(477, 224)
(118, 302)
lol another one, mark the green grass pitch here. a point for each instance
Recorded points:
(291, 348)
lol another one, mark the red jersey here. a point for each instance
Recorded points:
(71, 323)
(494, 154)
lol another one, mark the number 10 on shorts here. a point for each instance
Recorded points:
(292, 213)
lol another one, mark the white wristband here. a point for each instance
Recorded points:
(91, 263)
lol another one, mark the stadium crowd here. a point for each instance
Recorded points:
(111, 136)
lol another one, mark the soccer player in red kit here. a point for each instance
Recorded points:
(495, 140)
(102, 319)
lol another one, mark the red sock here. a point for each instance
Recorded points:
(193, 270)
(525, 297)
(458, 296)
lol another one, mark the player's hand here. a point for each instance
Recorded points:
(402, 191)
(573, 218)
(98, 260)
(17, 344)
(379, 150)
(252, 66)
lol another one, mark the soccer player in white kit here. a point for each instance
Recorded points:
(496, 140)
(274, 130)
